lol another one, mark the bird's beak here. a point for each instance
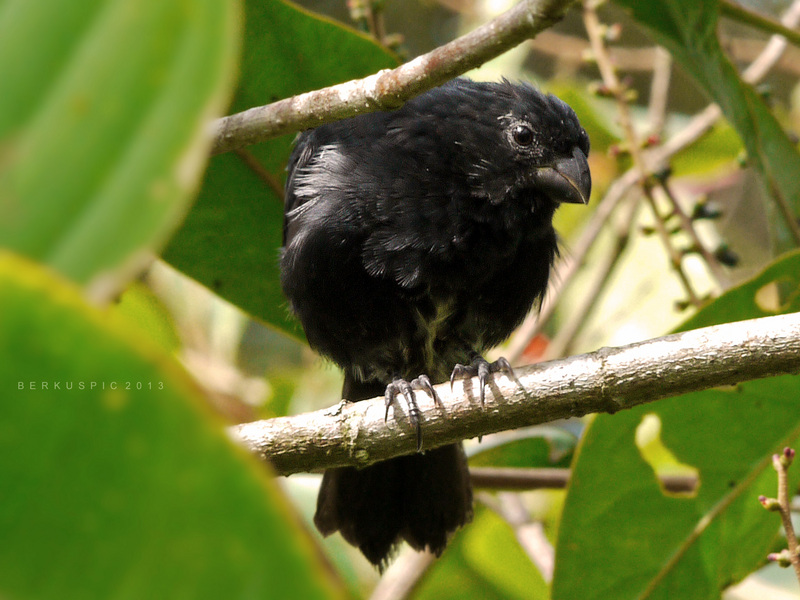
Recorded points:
(567, 179)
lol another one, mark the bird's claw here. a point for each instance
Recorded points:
(401, 386)
(481, 368)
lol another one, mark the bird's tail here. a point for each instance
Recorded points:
(421, 498)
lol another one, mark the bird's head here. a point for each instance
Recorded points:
(531, 148)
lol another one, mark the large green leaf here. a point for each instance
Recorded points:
(483, 561)
(116, 482)
(103, 120)
(230, 240)
(659, 546)
(688, 28)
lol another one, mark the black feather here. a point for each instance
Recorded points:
(415, 240)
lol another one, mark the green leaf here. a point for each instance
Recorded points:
(103, 121)
(659, 546)
(760, 296)
(483, 561)
(687, 28)
(117, 483)
(141, 308)
(540, 446)
(230, 240)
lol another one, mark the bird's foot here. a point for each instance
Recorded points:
(406, 388)
(482, 368)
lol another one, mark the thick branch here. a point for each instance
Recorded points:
(607, 380)
(389, 88)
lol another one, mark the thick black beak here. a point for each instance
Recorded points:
(567, 179)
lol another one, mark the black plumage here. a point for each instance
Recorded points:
(415, 240)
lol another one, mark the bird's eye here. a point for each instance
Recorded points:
(522, 135)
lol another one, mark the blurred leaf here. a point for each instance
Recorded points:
(539, 446)
(748, 300)
(230, 240)
(656, 546)
(720, 147)
(483, 561)
(688, 29)
(116, 482)
(140, 307)
(102, 123)
(283, 381)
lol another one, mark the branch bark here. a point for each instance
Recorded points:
(390, 88)
(607, 380)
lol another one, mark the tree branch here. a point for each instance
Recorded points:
(607, 380)
(389, 88)
(522, 479)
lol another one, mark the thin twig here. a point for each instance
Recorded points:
(562, 344)
(530, 533)
(403, 575)
(615, 87)
(520, 479)
(775, 47)
(659, 91)
(571, 51)
(390, 88)
(258, 169)
(697, 244)
(782, 464)
(782, 505)
(675, 256)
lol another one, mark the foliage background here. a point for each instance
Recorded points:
(125, 485)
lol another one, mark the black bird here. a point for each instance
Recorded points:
(415, 240)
